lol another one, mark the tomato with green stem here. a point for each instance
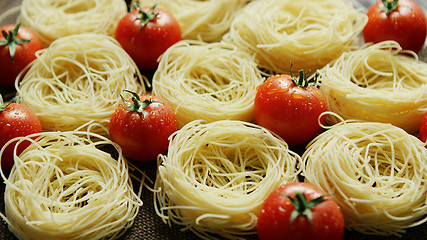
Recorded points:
(145, 33)
(16, 120)
(290, 107)
(18, 46)
(403, 21)
(142, 126)
(300, 211)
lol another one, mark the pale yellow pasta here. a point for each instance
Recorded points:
(78, 80)
(310, 33)
(377, 173)
(216, 175)
(53, 19)
(209, 81)
(63, 186)
(379, 83)
(206, 20)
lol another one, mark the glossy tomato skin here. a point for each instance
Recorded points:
(24, 54)
(16, 121)
(274, 217)
(406, 25)
(289, 110)
(147, 44)
(143, 137)
(423, 129)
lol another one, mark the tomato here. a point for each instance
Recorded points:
(400, 20)
(145, 33)
(18, 46)
(300, 211)
(423, 129)
(290, 107)
(16, 120)
(143, 126)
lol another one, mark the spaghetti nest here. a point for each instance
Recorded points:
(379, 83)
(76, 81)
(209, 81)
(53, 19)
(62, 186)
(206, 20)
(310, 33)
(216, 176)
(376, 171)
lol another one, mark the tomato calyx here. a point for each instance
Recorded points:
(11, 40)
(388, 6)
(302, 80)
(145, 17)
(4, 106)
(303, 206)
(137, 105)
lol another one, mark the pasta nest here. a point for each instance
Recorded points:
(310, 33)
(206, 20)
(209, 81)
(376, 171)
(63, 186)
(377, 83)
(76, 80)
(216, 175)
(53, 19)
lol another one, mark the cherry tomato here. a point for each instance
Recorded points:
(18, 46)
(423, 129)
(16, 120)
(300, 211)
(145, 33)
(290, 107)
(143, 126)
(400, 20)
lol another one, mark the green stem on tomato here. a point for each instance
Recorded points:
(145, 17)
(302, 80)
(303, 206)
(137, 105)
(11, 39)
(389, 6)
(3, 106)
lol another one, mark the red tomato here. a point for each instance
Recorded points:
(142, 128)
(300, 211)
(16, 120)
(290, 107)
(402, 21)
(145, 33)
(423, 129)
(18, 46)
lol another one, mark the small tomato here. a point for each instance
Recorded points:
(300, 211)
(18, 46)
(16, 120)
(145, 33)
(290, 107)
(403, 21)
(142, 127)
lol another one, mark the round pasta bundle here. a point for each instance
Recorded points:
(378, 83)
(310, 33)
(209, 81)
(53, 19)
(64, 187)
(377, 173)
(76, 80)
(216, 175)
(206, 20)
